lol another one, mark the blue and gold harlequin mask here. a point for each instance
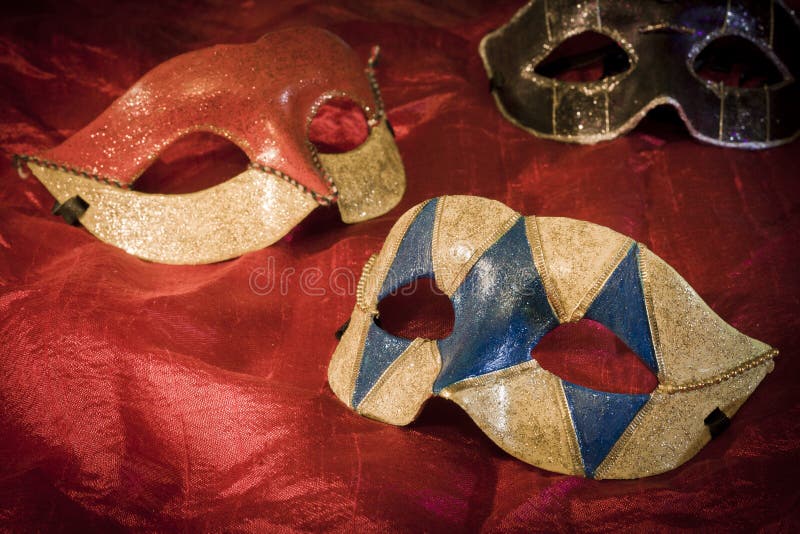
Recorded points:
(662, 42)
(511, 279)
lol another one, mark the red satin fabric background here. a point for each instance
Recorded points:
(154, 397)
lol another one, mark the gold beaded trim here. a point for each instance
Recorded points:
(373, 84)
(388, 251)
(669, 389)
(327, 200)
(19, 161)
(360, 302)
(323, 200)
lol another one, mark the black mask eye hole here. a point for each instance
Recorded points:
(588, 354)
(192, 163)
(338, 126)
(736, 62)
(586, 57)
(417, 309)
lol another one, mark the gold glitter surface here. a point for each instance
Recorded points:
(346, 359)
(398, 395)
(519, 409)
(370, 178)
(360, 302)
(465, 228)
(670, 429)
(695, 343)
(574, 259)
(704, 362)
(248, 212)
(265, 111)
(720, 377)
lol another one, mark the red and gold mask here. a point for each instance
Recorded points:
(262, 97)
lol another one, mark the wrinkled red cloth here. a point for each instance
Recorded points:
(155, 397)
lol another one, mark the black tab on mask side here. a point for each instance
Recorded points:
(342, 329)
(717, 422)
(71, 210)
(389, 126)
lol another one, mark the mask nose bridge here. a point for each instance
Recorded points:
(665, 74)
(503, 312)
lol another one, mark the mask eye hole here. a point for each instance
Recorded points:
(586, 57)
(736, 62)
(339, 126)
(418, 309)
(192, 163)
(588, 354)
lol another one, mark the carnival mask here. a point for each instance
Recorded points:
(662, 41)
(260, 96)
(512, 279)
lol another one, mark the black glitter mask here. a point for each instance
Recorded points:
(664, 42)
